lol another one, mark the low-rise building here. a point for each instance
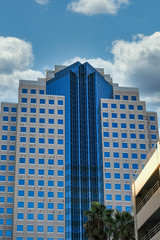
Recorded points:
(146, 198)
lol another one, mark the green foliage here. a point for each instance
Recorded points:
(105, 224)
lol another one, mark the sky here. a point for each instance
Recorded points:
(121, 36)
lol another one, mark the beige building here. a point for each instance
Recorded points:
(146, 198)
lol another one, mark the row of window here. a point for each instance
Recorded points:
(42, 101)
(127, 198)
(122, 106)
(41, 130)
(38, 238)
(32, 91)
(124, 116)
(116, 175)
(119, 208)
(124, 135)
(32, 140)
(126, 176)
(60, 206)
(13, 109)
(118, 186)
(124, 155)
(42, 110)
(125, 97)
(117, 165)
(4, 168)
(9, 199)
(124, 145)
(31, 216)
(124, 125)
(30, 228)
(41, 161)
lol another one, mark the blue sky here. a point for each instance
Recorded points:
(122, 36)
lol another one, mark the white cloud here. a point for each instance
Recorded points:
(135, 64)
(42, 2)
(16, 58)
(92, 7)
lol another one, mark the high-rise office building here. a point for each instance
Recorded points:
(73, 137)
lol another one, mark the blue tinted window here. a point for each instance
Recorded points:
(124, 145)
(118, 186)
(51, 121)
(5, 118)
(143, 156)
(126, 165)
(117, 175)
(122, 106)
(60, 184)
(13, 109)
(141, 126)
(115, 135)
(60, 195)
(5, 109)
(115, 125)
(60, 162)
(125, 97)
(23, 129)
(60, 112)
(32, 140)
(116, 165)
(133, 135)
(60, 141)
(132, 126)
(124, 135)
(107, 165)
(126, 176)
(51, 111)
(105, 124)
(42, 110)
(122, 115)
(51, 101)
(33, 100)
(24, 90)
(32, 120)
(108, 185)
(123, 125)
(135, 166)
(115, 144)
(104, 105)
(125, 155)
(5, 128)
(107, 175)
(142, 146)
(106, 144)
(24, 100)
(106, 154)
(127, 187)
(41, 130)
(114, 115)
(153, 127)
(51, 131)
(33, 91)
(131, 116)
(116, 155)
(105, 115)
(127, 198)
(23, 109)
(113, 105)
(108, 197)
(140, 117)
(42, 101)
(23, 119)
(134, 155)
(118, 197)
(117, 96)
(60, 102)
(106, 134)
(41, 140)
(131, 107)
(139, 107)
(133, 98)
(32, 110)
(134, 145)
(41, 91)
(153, 136)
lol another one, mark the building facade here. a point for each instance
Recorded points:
(73, 137)
(146, 198)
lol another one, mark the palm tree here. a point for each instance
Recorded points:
(123, 226)
(102, 224)
(95, 226)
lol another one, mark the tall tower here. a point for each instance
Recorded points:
(73, 137)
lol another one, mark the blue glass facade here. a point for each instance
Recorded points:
(83, 87)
